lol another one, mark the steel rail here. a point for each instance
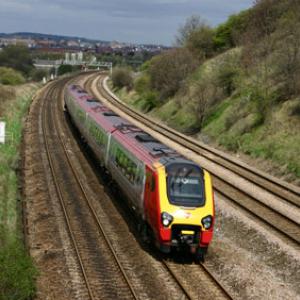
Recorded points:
(216, 282)
(208, 275)
(177, 280)
(58, 189)
(94, 214)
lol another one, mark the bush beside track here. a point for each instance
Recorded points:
(17, 273)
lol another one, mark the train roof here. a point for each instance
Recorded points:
(140, 142)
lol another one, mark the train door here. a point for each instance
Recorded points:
(151, 201)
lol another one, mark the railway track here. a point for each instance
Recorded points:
(208, 286)
(96, 256)
(274, 202)
(206, 277)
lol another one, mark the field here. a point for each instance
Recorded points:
(17, 271)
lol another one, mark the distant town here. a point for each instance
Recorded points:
(62, 44)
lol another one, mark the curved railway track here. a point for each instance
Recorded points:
(97, 258)
(274, 202)
(205, 275)
(70, 190)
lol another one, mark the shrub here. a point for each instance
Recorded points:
(63, 69)
(200, 42)
(169, 70)
(122, 77)
(38, 74)
(142, 84)
(226, 79)
(9, 76)
(16, 57)
(151, 100)
(230, 142)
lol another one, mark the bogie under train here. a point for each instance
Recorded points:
(171, 195)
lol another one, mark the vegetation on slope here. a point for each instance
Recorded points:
(17, 66)
(239, 83)
(17, 273)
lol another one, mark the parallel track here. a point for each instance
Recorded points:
(65, 204)
(282, 193)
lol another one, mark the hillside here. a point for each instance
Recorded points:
(243, 97)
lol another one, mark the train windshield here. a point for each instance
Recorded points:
(185, 185)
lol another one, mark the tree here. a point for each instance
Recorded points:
(122, 77)
(169, 70)
(200, 42)
(197, 37)
(16, 57)
(192, 23)
(63, 69)
(227, 34)
(38, 74)
(288, 54)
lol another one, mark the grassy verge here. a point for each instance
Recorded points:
(17, 273)
(277, 139)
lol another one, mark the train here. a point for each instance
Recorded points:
(171, 196)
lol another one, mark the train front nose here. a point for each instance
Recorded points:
(186, 207)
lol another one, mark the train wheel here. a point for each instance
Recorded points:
(200, 254)
(144, 232)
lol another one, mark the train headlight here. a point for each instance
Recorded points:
(207, 222)
(166, 219)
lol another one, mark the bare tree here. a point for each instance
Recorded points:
(169, 70)
(192, 23)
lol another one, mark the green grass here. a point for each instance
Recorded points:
(277, 139)
(17, 273)
(216, 112)
(10, 76)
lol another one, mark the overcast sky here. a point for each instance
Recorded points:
(141, 21)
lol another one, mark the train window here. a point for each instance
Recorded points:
(185, 185)
(99, 135)
(126, 165)
(80, 115)
(140, 175)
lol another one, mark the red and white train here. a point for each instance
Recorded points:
(171, 195)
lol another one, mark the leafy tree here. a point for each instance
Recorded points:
(227, 35)
(63, 69)
(16, 57)
(200, 42)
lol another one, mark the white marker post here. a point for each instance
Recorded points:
(2, 132)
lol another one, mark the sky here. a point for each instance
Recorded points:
(136, 21)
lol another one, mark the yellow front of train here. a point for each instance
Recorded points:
(186, 207)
